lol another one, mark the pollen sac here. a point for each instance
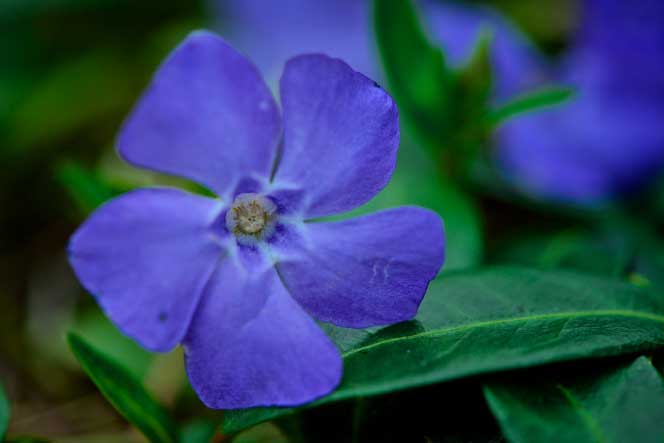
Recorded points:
(251, 218)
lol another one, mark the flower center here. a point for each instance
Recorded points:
(251, 217)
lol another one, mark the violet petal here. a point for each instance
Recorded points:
(341, 134)
(250, 344)
(145, 257)
(366, 271)
(207, 116)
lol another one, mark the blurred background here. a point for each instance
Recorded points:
(574, 185)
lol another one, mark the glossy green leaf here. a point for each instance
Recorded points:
(4, 413)
(125, 393)
(531, 101)
(609, 406)
(415, 69)
(476, 322)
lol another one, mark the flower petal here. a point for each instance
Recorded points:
(145, 257)
(207, 116)
(250, 344)
(339, 28)
(341, 134)
(367, 271)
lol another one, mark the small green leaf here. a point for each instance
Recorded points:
(415, 69)
(476, 322)
(125, 393)
(475, 79)
(608, 406)
(531, 101)
(5, 412)
(101, 333)
(86, 189)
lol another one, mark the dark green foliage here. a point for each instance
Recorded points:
(606, 404)
(476, 322)
(415, 69)
(448, 109)
(125, 393)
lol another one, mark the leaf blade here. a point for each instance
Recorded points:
(607, 406)
(126, 394)
(497, 319)
(531, 101)
(415, 69)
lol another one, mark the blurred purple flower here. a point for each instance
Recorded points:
(235, 279)
(607, 141)
(610, 139)
(273, 32)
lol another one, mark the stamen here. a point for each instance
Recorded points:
(251, 218)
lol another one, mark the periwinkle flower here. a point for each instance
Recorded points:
(342, 28)
(609, 140)
(238, 279)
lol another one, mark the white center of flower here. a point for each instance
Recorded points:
(251, 218)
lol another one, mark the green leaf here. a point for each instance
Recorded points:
(415, 69)
(476, 322)
(528, 102)
(475, 79)
(86, 189)
(125, 393)
(5, 412)
(101, 333)
(617, 405)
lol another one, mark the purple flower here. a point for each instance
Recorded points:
(235, 279)
(342, 28)
(271, 32)
(609, 140)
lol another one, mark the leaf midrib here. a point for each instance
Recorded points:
(593, 427)
(481, 324)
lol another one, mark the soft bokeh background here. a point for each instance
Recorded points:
(70, 70)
